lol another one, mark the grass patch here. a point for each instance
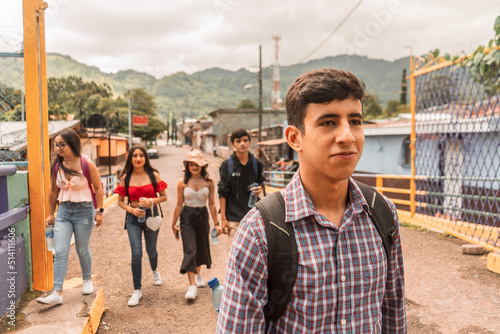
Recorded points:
(412, 226)
(20, 320)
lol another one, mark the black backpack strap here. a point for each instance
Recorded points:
(282, 255)
(230, 166)
(127, 183)
(381, 215)
(255, 168)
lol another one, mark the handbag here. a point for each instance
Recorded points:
(153, 222)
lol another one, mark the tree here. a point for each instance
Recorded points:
(10, 103)
(404, 88)
(246, 104)
(142, 102)
(392, 109)
(371, 107)
(70, 96)
(150, 132)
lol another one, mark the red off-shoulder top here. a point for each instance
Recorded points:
(135, 193)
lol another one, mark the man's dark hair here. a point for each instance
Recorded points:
(238, 133)
(320, 86)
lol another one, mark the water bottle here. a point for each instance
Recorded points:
(49, 234)
(143, 218)
(215, 240)
(216, 292)
(252, 199)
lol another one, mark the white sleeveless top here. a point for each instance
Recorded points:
(195, 198)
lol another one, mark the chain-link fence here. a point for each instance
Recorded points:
(457, 146)
(13, 141)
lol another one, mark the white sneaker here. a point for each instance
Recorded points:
(192, 292)
(88, 287)
(136, 296)
(200, 283)
(156, 278)
(52, 299)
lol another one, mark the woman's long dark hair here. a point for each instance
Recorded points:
(187, 173)
(129, 167)
(71, 139)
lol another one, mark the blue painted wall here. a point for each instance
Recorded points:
(381, 155)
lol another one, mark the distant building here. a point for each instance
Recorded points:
(225, 121)
(387, 147)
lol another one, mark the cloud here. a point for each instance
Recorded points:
(164, 37)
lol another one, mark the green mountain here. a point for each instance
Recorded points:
(194, 95)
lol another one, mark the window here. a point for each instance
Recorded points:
(405, 156)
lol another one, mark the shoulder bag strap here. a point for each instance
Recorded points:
(381, 215)
(282, 255)
(86, 172)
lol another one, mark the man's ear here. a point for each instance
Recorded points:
(293, 137)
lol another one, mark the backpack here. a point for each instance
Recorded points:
(86, 172)
(282, 246)
(152, 178)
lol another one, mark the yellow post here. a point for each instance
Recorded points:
(379, 183)
(413, 139)
(38, 139)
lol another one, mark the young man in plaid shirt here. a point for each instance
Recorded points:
(345, 283)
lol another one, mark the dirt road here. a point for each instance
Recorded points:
(447, 292)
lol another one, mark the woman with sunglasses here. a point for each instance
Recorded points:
(193, 191)
(77, 195)
(139, 174)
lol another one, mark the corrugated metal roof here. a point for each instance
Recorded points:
(13, 134)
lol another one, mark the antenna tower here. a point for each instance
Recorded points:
(276, 97)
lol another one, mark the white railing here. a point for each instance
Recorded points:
(108, 185)
(277, 179)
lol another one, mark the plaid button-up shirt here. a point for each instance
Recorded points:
(344, 282)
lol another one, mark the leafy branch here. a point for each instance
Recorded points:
(484, 62)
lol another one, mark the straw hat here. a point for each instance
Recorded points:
(196, 157)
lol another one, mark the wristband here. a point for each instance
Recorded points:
(216, 224)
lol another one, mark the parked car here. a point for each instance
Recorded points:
(153, 153)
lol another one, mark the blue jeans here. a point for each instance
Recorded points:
(77, 218)
(135, 230)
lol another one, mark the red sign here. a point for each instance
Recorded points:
(140, 120)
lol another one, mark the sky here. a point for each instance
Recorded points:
(165, 37)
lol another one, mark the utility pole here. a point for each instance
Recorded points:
(260, 93)
(129, 124)
(109, 145)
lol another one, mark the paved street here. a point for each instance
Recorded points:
(447, 292)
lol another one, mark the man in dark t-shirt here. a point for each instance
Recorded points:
(234, 190)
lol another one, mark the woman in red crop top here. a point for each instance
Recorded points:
(141, 194)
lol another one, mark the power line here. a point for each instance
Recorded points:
(333, 32)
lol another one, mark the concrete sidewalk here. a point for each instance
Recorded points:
(78, 314)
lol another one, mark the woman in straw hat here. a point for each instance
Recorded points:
(193, 191)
